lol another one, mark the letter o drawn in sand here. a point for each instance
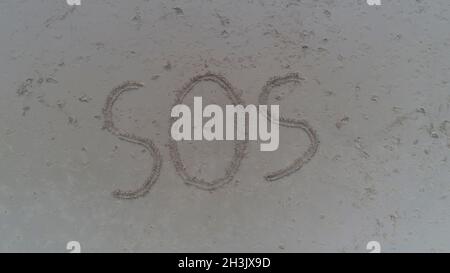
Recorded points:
(144, 142)
(290, 123)
(239, 146)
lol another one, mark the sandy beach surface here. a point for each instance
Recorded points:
(373, 83)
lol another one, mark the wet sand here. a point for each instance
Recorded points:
(373, 85)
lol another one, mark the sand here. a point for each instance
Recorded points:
(370, 109)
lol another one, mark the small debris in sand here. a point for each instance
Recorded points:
(73, 121)
(25, 110)
(85, 99)
(342, 122)
(51, 80)
(224, 21)
(137, 19)
(224, 34)
(421, 110)
(445, 128)
(178, 11)
(394, 217)
(434, 134)
(168, 66)
(360, 148)
(61, 104)
(24, 87)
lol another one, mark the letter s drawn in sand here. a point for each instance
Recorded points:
(144, 142)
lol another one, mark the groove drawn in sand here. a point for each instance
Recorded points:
(60, 17)
(290, 123)
(144, 142)
(239, 146)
